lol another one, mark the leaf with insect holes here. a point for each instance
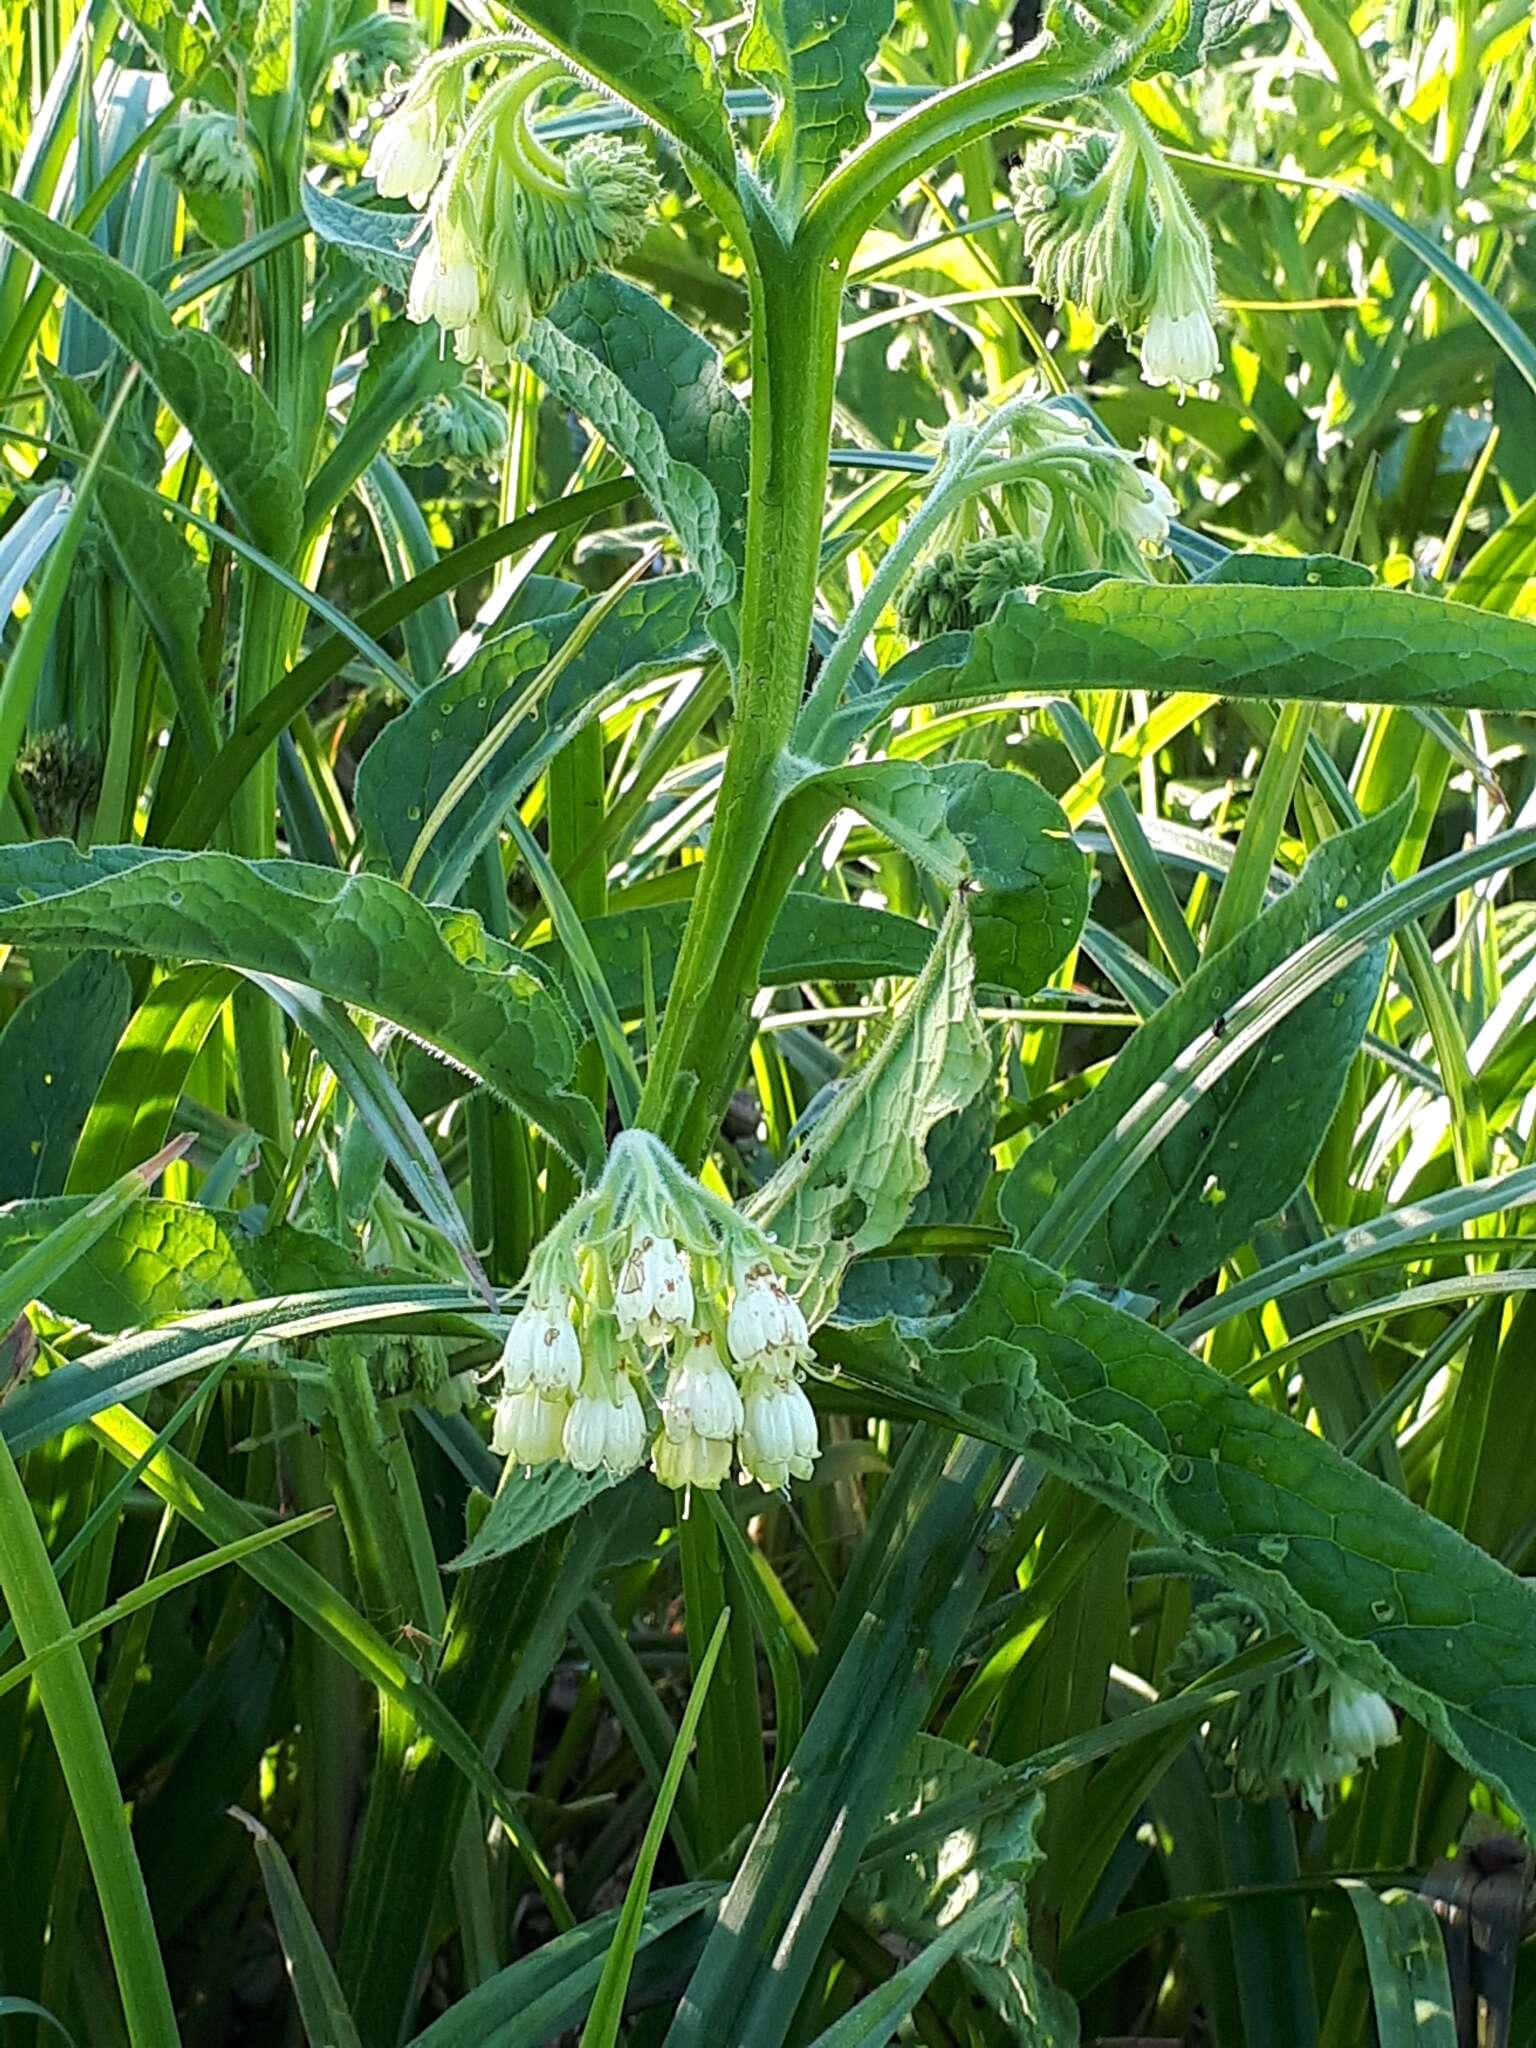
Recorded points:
(359, 939)
(853, 1173)
(930, 1888)
(654, 626)
(230, 418)
(1244, 1148)
(814, 58)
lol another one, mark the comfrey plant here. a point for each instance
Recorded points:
(652, 1262)
(909, 1037)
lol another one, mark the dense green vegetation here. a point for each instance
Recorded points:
(766, 814)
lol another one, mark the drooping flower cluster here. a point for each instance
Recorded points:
(658, 1319)
(205, 151)
(1302, 1732)
(510, 223)
(1060, 500)
(1108, 227)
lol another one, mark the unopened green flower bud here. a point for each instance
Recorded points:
(205, 152)
(62, 777)
(377, 48)
(457, 428)
(958, 589)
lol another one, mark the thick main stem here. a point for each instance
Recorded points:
(794, 364)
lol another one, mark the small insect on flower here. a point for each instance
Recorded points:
(764, 1316)
(542, 1350)
(654, 1295)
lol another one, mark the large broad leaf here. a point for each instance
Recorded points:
(813, 56)
(676, 376)
(382, 242)
(1401, 1601)
(356, 938)
(653, 627)
(162, 1260)
(1245, 1147)
(229, 416)
(959, 1169)
(650, 53)
(991, 829)
(851, 1178)
(53, 1053)
(1323, 644)
(680, 491)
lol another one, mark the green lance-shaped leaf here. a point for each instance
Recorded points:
(161, 1260)
(1399, 1600)
(169, 583)
(229, 416)
(321, 2005)
(1246, 1146)
(991, 828)
(851, 1178)
(1325, 644)
(356, 938)
(674, 375)
(680, 492)
(814, 57)
(53, 1053)
(651, 55)
(410, 766)
(1404, 1951)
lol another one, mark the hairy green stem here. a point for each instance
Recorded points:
(794, 363)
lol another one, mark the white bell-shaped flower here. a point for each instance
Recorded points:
(764, 1316)
(542, 1349)
(445, 282)
(682, 1462)
(607, 1429)
(1179, 346)
(701, 1397)
(406, 159)
(779, 1438)
(1359, 1722)
(530, 1427)
(654, 1296)
(1148, 511)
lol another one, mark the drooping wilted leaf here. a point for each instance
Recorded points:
(851, 1177)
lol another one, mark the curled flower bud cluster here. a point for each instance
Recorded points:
(658, 1321)
(1070, 502)
(457, 428)
(375, 49)
(1303, 1732)
(1108, 227)
(510, 223)
(206, 152)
